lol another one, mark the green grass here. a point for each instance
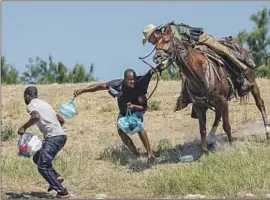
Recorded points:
(93, 162)
(8, 132)
(153, 105)
(244, 168)
(67, 162)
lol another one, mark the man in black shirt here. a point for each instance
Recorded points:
(130, 93)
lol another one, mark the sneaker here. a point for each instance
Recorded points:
(65, 196)
(60, 179)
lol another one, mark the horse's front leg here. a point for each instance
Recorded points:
(224, 107)
(260, 104)
(201, 114)
(212, 133)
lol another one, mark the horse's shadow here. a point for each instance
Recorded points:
(165, 154)
(29, 195)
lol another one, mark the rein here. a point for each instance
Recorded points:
(142, 59)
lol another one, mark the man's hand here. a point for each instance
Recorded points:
(130, 105)
(77, 93)
(21, 130)
(60, 119)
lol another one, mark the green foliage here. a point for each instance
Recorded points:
(39, 71)
(42, 72)
(258, 40)
(7, 132)
(78, 74)
(153, 105)
(263, 71)
(165, 75)
(9, 75)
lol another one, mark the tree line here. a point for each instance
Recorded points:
(257, 41)
(39, 71)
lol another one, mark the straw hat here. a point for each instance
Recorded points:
(148, 31)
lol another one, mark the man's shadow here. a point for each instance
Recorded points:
(28, 195)
(165, 153)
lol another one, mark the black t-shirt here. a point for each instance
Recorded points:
(136, 95)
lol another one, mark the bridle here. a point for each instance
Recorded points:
(170, 60)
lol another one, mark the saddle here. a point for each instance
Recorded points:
(234, 47)
(209, 53)
(237, 50)
(231, 43)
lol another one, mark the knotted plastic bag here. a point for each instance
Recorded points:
(28, 145)
(68, 110)
(130, 123)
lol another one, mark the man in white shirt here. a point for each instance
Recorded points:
(50, 124)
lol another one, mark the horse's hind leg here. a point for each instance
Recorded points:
(224, 108)
(212, 139)
(201, 114)
(260, 104)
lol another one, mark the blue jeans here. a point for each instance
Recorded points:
(44, 157)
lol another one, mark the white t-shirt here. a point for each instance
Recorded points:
(48, 123)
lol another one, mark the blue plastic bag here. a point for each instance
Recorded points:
(130, 123)
(68, 110)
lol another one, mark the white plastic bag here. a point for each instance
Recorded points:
(28, 145)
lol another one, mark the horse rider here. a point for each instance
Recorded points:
(153, 34)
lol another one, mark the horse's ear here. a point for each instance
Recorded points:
(168, 30)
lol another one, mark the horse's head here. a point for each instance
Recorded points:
(167, 47)
(165, 50)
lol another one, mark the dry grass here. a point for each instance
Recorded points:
(94, 161)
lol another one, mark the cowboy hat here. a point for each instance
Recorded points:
(148, 31)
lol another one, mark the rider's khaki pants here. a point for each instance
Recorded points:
(210, 41)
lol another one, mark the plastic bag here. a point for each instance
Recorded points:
(130, 123)
(68, 110)
(28, 145)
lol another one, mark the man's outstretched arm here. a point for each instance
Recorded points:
(91, 88)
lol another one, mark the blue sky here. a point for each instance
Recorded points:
(108, 33)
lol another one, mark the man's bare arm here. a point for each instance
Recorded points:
(60, 119)
(34, 118)
(91, 88)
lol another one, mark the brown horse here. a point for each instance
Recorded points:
(207, 83)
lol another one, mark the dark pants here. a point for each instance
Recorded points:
(44, 157)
